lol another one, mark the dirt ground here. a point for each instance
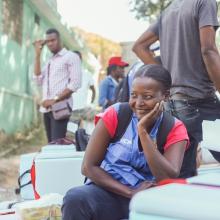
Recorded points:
(9, 164)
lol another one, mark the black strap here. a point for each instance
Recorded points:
(164, 130)
(124, 118)
(215, 154)
(17, 191)
(122, 91)
(118, 90)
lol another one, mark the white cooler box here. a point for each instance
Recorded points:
(26, 189)
(57, 169)
(8, 214)
(208, 179)
(210, 140)
(176, 201)
(209, 168)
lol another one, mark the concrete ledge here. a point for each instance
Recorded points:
(13, 93)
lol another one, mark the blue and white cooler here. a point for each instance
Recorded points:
(57, 168)
(176, 201)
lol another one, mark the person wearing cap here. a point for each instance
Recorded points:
(115, 71)
(187, 34)
(122, 91)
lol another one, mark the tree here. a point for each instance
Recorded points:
(101, 47)
(148, 9)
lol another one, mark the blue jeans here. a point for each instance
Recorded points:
(90, 202)
(192, 113)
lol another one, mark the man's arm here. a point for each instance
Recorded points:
(142, 45)
(64, 95)
(38, 45)
(210, 54)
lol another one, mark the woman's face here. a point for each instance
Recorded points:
(145, 94)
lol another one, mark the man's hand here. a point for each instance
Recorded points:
(38, 45)
(149, 118)
(109, 103)
(48, 103)
(144, 185)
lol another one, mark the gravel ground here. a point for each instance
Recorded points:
(9, 166)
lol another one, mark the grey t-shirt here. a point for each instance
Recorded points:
(178, 32)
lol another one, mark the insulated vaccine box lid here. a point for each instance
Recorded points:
(60, 155)
(177, 201)
(58, 148)
(208, 179)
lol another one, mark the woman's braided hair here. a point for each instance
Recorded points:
(156, 72)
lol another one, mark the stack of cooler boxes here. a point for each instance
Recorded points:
(57, 169)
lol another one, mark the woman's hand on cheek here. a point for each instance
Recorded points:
(147, 120)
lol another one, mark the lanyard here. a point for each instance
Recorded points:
(154, 130)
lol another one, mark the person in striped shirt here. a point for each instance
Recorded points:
(59, 78)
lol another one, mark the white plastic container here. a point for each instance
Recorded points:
(210, 140)
(8, 214)
(26, 161)
(57, 169)
(176, 201)
(208, 179)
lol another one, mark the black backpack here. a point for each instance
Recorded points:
(124, 117)
(81, 139)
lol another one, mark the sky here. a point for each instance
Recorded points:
(108, 18)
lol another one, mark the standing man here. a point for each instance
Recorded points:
(87, 84)
(115, 71)
(59, 78)
(187, 32)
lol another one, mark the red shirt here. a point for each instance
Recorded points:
(178, 132)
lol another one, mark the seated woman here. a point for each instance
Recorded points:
(118, 170)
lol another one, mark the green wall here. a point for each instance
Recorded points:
(17, 90)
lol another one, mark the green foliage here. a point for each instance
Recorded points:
(101, 47)
(149, 9)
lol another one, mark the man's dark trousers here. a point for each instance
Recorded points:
(55, 129)
(192, 113)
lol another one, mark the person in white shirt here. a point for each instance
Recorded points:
(80, 98)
